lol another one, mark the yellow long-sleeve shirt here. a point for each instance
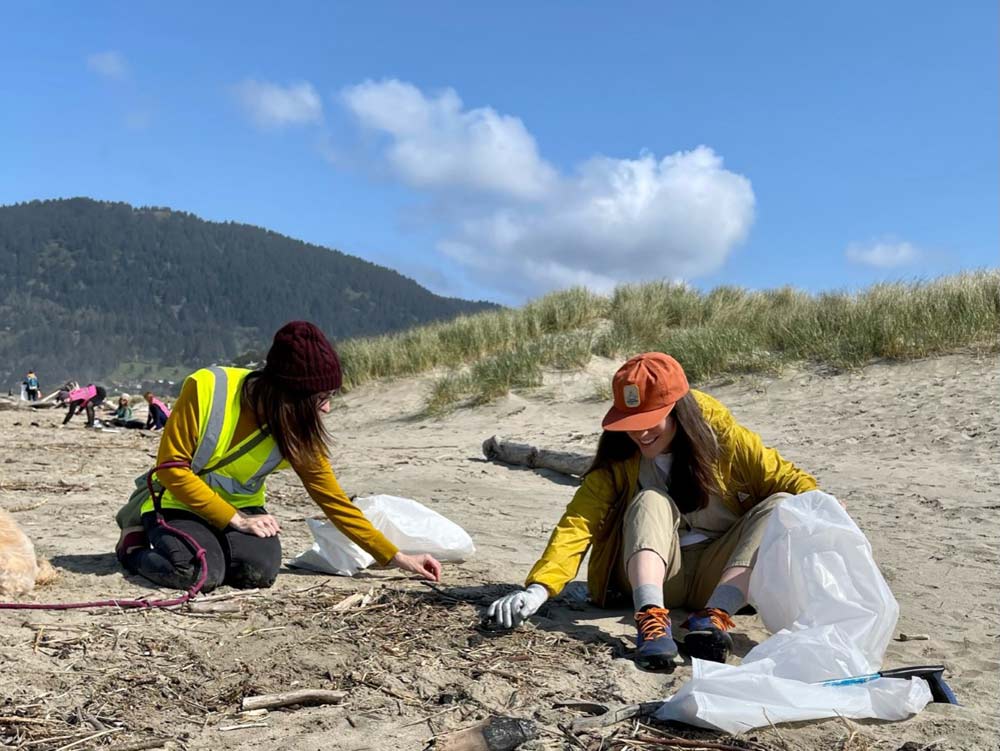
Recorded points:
(747, 471)
(180, 441)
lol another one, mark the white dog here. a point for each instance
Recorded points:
(20, 568)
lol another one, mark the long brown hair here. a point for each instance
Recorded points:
(293, 419)
(694, 448)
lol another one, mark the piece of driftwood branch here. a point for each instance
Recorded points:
(226, 606)
(305, 696)
(219, 603)
(143, 745)
(607, 714)
(358, 599)
(523, 454)
(495, 734)
(672, 743)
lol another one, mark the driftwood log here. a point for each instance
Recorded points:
(522, 454)
(43, 405)
(8, 403)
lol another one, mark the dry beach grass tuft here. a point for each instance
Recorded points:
(725, 331)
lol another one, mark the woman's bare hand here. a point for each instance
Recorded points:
(261, 525)
(425, 565)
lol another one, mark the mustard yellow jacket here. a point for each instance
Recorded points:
(747, 472)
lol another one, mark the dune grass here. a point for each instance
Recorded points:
(520, 366)
(468, 339)
(725, 330)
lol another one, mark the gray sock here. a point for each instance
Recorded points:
(647, 595)
(727, 597)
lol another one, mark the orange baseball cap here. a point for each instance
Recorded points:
(646, 388)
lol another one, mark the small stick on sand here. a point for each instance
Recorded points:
(358, 599)
(25, 721)
(698, 745)
(140, 745)
(89, 738)
(226, 606)
(245, 726)
(29, 507)
(305, 696)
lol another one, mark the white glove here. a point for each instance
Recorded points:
(515, 608)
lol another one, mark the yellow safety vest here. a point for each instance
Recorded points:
(239, 481)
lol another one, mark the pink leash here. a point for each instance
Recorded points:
(199, 552)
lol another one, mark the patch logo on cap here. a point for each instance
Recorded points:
(631, 395)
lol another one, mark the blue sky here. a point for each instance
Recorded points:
(500, 152)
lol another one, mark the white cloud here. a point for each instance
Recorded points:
(273, 106)
(518, 225)
(435, 143)
(110, 64)
(883, 254)
(616, 220)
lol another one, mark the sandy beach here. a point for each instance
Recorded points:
(910, 447)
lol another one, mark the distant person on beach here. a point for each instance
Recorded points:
(31, 387)
(158, 412)
(123, 415)
(673, 510)
(82, 399)
(231, 428)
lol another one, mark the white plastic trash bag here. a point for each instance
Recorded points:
(331, 552)
(735, 698)
(817, 589)
(409, 525)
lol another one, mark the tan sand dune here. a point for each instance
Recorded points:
(911, 448)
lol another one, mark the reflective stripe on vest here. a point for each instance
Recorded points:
(209, 439)
(240, 481)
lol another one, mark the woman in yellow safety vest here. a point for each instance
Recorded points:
(231, 428)
(673, 507)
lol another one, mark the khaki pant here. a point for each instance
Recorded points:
(651, 523)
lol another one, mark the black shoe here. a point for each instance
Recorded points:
(708, 635)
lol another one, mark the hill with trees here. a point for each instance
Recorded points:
(93, 289)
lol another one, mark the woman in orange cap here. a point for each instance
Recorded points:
(674, 506)
(229, 429)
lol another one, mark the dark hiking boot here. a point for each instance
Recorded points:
(708, 634)
(655, 648)
(130, 540)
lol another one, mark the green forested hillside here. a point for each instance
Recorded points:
(87, 287)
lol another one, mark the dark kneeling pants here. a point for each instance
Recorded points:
(234, 558)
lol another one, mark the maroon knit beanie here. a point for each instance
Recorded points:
(301, 359)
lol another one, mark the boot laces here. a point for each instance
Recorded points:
(652, 623)
(719, 618)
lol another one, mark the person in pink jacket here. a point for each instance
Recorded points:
(82, 399)
(158, 412)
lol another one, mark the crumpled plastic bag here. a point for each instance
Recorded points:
(409, 525)
(735, 698)
(818, 590)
